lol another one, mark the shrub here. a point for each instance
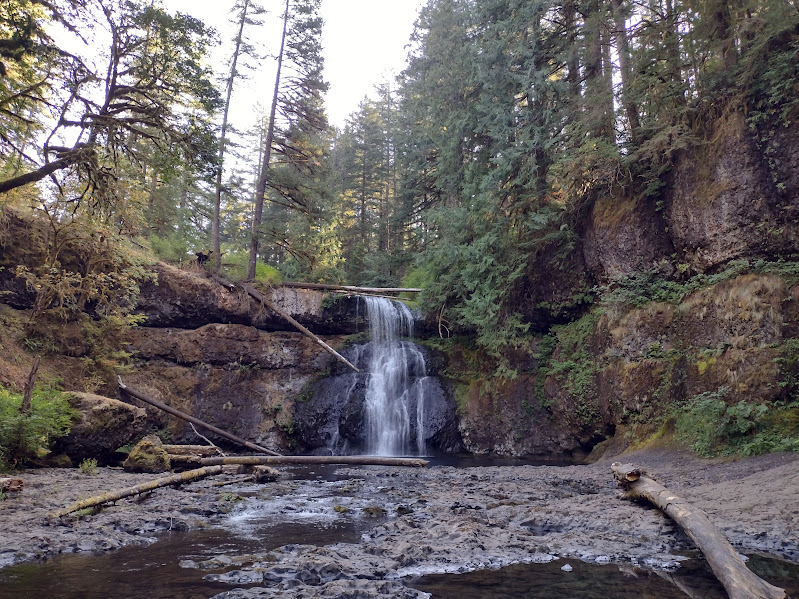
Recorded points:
(24, 436)
(89, 466)
(711, 427)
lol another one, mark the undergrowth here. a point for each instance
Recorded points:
(26, 437)
(711, 427)
(566, 354)
(641, 287)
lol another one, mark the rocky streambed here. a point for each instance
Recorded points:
(403, 523)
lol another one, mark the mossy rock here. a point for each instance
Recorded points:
(149, 456)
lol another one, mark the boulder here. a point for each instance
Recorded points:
(148, 456)
(105, 424)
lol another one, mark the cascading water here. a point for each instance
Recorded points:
(393, 407)
(395, 392)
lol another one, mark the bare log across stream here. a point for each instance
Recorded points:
(351, 289)
(170, 410)
(346, 460)
(255, 294)
(175, 479)
(739, 581)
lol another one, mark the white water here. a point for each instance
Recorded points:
(394, 405)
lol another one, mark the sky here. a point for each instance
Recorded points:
(364, 44)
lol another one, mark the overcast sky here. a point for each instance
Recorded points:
(364, 44)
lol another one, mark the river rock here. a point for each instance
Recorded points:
(149, 455)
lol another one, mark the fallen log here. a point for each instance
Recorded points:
(346, 460)
(350, 288)
(175, 479)
(202, 450)
(255, 294)
(11, 485)
(170, 410)
(739, 581)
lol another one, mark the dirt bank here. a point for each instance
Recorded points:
(439, 519)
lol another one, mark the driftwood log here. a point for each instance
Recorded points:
(175, 479)
(170, 410)
(739, 581)
(257, 295)
(347, 460)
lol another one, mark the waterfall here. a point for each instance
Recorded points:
(397, 377)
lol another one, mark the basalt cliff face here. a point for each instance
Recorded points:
(723, 232)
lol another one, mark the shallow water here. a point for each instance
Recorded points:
(588, 581)
(302, 511)
(153, 571)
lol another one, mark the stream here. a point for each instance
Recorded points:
(302, 511)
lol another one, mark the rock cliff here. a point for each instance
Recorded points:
(658, 300)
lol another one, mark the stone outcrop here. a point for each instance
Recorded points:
(239, 378)
(623, 368)
(725, 199)
(148, 456)
(104, 426)
(189, 299)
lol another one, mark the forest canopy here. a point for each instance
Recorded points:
(510, 120)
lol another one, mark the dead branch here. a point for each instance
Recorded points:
(207, 440)
(11, 485)
(27, 396)
(201, 450)
(351, 289)
(729, 568)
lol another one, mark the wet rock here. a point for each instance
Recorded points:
(265, 474)
(148, 456)
(237, 577)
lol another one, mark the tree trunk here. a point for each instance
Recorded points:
(170, 410)
(175, 479)
(350, 460)
(260, 191)
(729, 568)
(216, 223)
(27, 395)
(625, 68)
